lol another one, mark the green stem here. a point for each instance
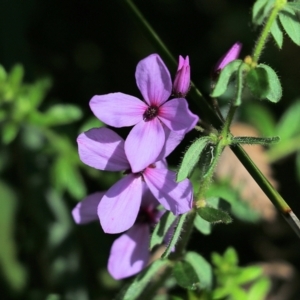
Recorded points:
(208, 111)
(279, 4)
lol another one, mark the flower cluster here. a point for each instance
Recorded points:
(159, 124)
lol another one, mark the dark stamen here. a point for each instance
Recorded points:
(150, 113)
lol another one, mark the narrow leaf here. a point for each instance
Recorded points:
(275, 91)
(191, 157)
(251, 140)
(277, 33)
(225, 75)
(257, 82)
(259, 290)
(290, 23)
(175, 236)
(185, 275)
(161, 229)
(202, 268)
(260, 10)
(142, 280)
(214, 215)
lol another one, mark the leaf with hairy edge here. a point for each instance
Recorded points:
(161, 229)
(252, 140)
(176, 235)
(290, 22)
(224, 78)
(277, 33)
(275, 91)
(191, 157)
(214, 215)
(142, 280)
(257, 82)
(202, 268)
(185, 275)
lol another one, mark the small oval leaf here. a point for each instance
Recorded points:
(257, 82)
(225, 75)
(185, 275)
(214, 215)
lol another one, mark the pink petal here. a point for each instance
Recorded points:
(129, 253)
(86, 210)
(118, 109)
(176, 115)
(173, 139)
(120, 205)
(153, 80)
(232, 54)
(144, 143)
(102, 149)
(176, 197)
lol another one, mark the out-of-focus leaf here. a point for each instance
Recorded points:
(277, 33)
(3, 74)
(294, 5)
(9, 132)
(161, 229)
(15, 77)
(185, 275)
(59, 114)
(65, 176)
(290, 22)
(255, 111)
(202, 225)
(36, 92)
(225, 76)
(288, 126)
(202, 268)
(191, 157)
(230, 256)
(13, 271)
(259, 289)
(249, 274)
(91, 123)
(32, 137)
(274, 93)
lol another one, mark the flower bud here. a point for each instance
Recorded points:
(182, 79)
(232, 54)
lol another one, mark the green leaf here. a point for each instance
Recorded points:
(176, 235)
(259, 290)
(161, 229)
(260, 10)
(277, 33)
(15, 77)
(191, 157)
(230, 256)
(143, 280)
(290, 22)
(275, 91)
(251, 112)
(250, 140)
(36, 92)
(203, 226)
(214, 215)
(60, 114)
(13, 271)
(185, 275)
(3, 74)
(249, 274)
(224, 78)
(294, 5)
(257, 82)
(9, 132)
(287, 126)
(202, 268)
(239, 208)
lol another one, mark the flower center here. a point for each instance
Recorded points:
(150, 113)
(147, 215)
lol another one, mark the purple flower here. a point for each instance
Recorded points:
(153, 119)
(129, 253)
(232, 54)
(103, 149)
(182, 79)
